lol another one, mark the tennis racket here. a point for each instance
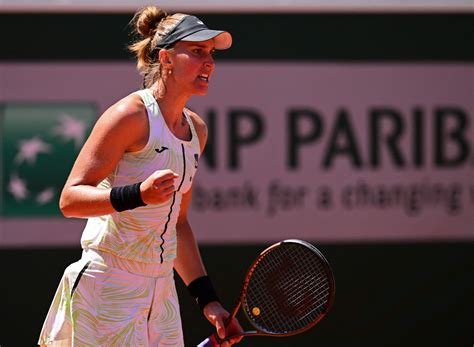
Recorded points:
(288, 289)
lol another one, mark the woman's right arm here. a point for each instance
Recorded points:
(122, 128)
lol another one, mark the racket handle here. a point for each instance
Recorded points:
(209, 342)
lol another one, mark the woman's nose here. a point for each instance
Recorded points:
(209, 61)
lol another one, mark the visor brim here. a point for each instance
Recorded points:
(222, 39)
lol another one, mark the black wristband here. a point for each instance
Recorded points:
(126, 197)
(203, 291)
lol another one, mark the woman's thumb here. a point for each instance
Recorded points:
(220, 328)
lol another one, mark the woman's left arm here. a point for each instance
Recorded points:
(188, 263)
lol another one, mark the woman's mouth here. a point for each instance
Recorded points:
(204, 77)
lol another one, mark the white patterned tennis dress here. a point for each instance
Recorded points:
(122, 292)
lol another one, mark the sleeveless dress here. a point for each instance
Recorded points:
(122, 292)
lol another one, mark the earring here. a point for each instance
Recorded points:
(169, 72)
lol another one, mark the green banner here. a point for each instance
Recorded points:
(39, 144)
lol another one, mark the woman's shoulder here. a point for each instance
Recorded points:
(197, 120)
(128, 114)
(130, 105)
(129, 109)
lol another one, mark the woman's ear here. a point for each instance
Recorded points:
(165, 59)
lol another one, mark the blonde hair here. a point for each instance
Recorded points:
(151, 24)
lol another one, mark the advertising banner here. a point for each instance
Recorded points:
(329, 152)
(40, 142)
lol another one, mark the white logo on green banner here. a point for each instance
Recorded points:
(39, 144)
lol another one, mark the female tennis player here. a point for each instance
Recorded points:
(132, 180)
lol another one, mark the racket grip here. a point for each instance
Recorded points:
(209, 342)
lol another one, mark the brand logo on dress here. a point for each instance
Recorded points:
(159, 150)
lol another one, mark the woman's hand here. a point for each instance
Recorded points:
(217, 315)
(158, 187)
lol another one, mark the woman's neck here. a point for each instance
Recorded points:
(171, 103)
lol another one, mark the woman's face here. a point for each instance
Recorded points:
(192, 65)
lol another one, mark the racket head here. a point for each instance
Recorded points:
(288, 289)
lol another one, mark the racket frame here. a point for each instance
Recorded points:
(246, 282)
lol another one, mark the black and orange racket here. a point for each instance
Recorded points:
(288, 289)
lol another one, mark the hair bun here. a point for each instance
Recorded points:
(147, 20)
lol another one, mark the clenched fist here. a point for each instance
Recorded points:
(158, 187)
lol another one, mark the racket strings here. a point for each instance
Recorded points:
(314, 299)
(286, 309)
(318, 286)
(290, 286)
(318, 294)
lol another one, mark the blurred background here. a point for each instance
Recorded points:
(345, 123)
